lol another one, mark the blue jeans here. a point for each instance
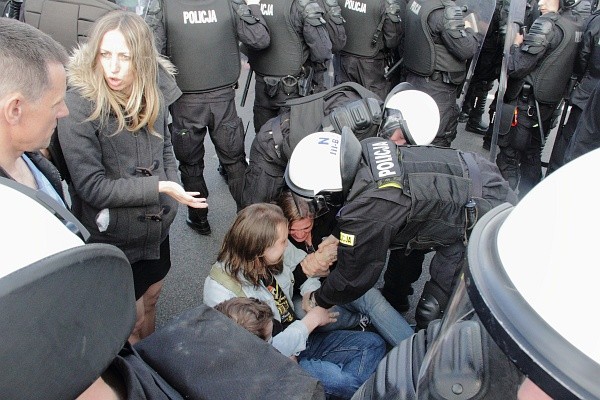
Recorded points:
(390, 324)
(342, 360)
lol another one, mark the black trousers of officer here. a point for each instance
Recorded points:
(267, 101)
(519, 158)
(444, 95)
(561, 143)
(367, 72)
(195, 114)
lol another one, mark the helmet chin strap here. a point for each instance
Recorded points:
(350, 156)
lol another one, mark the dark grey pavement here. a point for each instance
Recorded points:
(193, 254)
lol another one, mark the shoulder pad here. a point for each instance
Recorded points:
(392, 10)
(537, 39)
(243, 11)
(312, 12)
(154, 6)
(334, 11)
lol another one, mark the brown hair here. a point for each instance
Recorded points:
(250, 313)
(294, 208)
(252, 232)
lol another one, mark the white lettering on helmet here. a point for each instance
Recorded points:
(383, 159)
(199, 17)
(356, 6)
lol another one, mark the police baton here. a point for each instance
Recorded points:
(393, 68)
(246, 87)
(563, 115)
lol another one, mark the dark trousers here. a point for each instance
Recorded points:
(444, 95)
(193, 117)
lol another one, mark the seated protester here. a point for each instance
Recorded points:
(308, 230)
(251, 263)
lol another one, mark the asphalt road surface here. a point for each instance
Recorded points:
(193, 254)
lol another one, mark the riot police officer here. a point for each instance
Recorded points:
(508, 333)
(303, 36)
(347, 104)
(188, 32)
(438, 44)
(539, 68)
(373, 30)
(390, 204)
(587, 67)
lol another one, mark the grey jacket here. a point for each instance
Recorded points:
(119, 172)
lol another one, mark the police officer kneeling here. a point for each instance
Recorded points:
(396, 197)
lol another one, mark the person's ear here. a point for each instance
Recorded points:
(12, 109)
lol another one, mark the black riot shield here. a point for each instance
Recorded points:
(515, 20)
(477, 15)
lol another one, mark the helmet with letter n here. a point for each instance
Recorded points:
(511, 329)
(328, 180)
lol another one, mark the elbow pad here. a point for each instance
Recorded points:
(392, 10)
(243, 11)
(359, 115)
(334, 11)
(311, 12)
(454, 23)
(538, 37)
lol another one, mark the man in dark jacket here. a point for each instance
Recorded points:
(390, 204)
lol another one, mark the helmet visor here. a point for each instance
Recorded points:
(392, 121)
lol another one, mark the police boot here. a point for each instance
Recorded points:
(431, 306)
(198, 220)
(475, 123)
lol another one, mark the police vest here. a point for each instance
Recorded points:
(362, 20)
(425, 54)
(202, 43)
(551, 77)
(285, 54)
(67, 22)
(437, 216)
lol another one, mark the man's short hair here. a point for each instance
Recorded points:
(25, 53)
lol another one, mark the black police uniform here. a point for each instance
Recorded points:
(539, 70)
(208, 72)
(391, 206)
(435, 55)
(373, 29)
(587, 67)
(302, 40)
(586, 137)
(487, 70)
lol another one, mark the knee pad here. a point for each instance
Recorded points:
(432, 304)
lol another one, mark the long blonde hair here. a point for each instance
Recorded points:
(138, 109)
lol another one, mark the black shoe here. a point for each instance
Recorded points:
(202, 226)
(486, 144)
(463, 117)
(476, 126)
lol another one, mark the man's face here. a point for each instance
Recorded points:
(38, 117)
(546, 6)
(300, 229)
(398, 137)
(274, 253)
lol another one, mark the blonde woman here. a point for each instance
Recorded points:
(117, 147)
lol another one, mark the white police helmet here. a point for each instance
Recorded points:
(414, 112)
(323, 162)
